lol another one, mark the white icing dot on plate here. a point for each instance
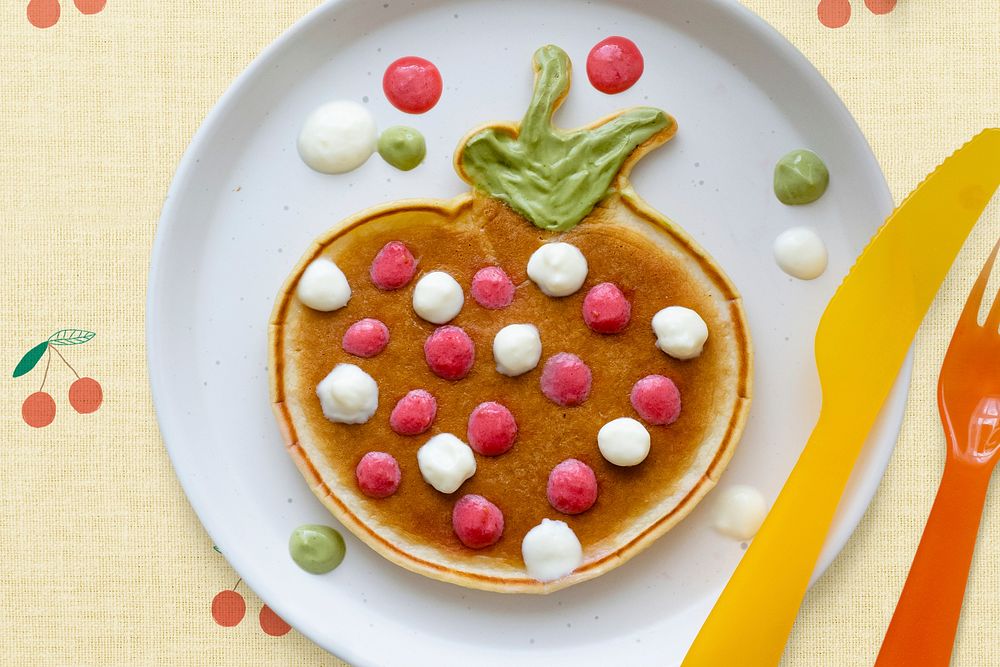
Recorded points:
(680, 332)
(551, 550)
(801, 253)
(437, 297)
(623, 442)
(338, 137)
(517, 348)
(445, 462)
(558, 269)
(739, 511)
(348, 395)
(323, 286)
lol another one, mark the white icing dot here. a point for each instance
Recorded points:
(680, 332)
(348, 395)
(739, 511)
(623, 442)
(338, 137)
(437, 297)
(800, 253)
(323, 286)
(551, 550)
(517, 348)
(558, 269)
(445, 462)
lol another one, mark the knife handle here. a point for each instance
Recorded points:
(922, 630)
(750, 622)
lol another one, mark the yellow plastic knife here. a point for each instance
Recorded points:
(861, 342)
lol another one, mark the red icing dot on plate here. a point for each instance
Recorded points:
(492, 429)
(492, 288)
(657, 399)
(413, 413)
(412, 84)
(378, 474)
(449, 353)
(605, 309)
(477, 522)
(614, 65)
(393, 266)
(365, 338)
(572, 487)
(566, 379)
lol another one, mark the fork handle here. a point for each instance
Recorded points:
(922, 630)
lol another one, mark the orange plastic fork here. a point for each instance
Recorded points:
(922, 630)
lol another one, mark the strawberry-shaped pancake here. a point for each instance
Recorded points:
(508, 348)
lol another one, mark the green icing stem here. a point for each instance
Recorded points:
(553, 177)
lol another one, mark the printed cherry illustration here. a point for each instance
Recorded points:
(45, 13)
(38, 410)
(229, 607)
(271, 623)
(85, 394)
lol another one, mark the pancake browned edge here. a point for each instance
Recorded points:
(622, 207)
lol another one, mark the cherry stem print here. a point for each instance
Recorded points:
(48, 362)
(65, 362)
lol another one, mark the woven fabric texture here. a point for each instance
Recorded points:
(104, 561)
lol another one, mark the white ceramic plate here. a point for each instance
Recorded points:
(243, 207)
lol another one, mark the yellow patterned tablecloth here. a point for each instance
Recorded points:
(103, 560)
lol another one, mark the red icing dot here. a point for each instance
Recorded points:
(566, 379)
(365, 338)
(656, 399)
(413, 413)
(572, 487)
(492, 288)
(477, 522)
(492, 429)
(378, 474)
(393, 266)
(449, 353)
(605, 309)
(614, 65)
(412, 84)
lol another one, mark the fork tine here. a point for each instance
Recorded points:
(971, 311)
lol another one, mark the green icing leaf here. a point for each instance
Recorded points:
(550, 176)
(30, 359)
(71, 337)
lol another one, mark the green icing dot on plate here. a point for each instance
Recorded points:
(316, 549)
(800, 177)
(402, 147)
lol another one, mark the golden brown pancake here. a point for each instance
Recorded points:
(625, 242)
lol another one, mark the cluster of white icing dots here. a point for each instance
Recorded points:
(446, 461)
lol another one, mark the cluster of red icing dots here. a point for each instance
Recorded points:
(450, 353)
(614, 65)
(412, 84)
